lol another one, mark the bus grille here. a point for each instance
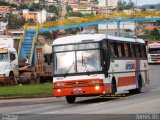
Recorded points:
(74, 83)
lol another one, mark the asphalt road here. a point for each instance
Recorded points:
(91, 107)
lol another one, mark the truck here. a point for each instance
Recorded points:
(14, 69)
(153, 53)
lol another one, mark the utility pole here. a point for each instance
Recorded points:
(106, 16)
(136, 21)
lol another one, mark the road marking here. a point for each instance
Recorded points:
(155, 89)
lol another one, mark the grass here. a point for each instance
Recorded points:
(26, 91)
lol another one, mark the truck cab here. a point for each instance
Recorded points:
(9, 69)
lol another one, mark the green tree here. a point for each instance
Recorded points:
(151, 7)
(2, 2)
(52, 9)
(121, 5)
(155, 34)
(143, 9)
(23, 6)
(13, 5)
(69, 9)
(49, 35)
(52, 19)
(15, 23)
(36, 7)
(158, 22)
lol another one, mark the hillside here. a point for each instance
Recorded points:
(157, 6)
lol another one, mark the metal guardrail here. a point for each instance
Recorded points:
(22, 38)
(33, 42)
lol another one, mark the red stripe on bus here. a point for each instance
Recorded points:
(125, 81)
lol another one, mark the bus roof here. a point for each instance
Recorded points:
(91, 37)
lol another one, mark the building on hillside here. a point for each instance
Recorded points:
(84, 2)
(111, 3)
(51, 2)
(14, 33)
(19, 2)
(84, 9)
(73, 2)
(5, 9)
(50, 15)
(39, 16)
(3, 27)
(94, 3)
(16, 13)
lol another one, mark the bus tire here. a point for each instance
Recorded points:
(70, 99)
(139, 89)
(113, 88)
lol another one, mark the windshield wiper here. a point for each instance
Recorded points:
(86, 67)
(69, 69)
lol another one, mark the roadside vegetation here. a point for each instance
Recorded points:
(26, 91)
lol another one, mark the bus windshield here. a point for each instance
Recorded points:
(77, 61)
(154, 50)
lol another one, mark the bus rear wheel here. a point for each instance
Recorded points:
(70, 99)
(139, 89)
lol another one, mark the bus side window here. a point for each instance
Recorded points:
(143, 51)
(126, 50)
(129, 50)
(138, 52)
(133, 50)
(119, 50)
(116, 49)
(122, 49)
(112, 49)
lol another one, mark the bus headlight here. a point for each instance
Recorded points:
(59, 90)
(97, 87)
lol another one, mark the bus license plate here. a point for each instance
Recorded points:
(77, 91)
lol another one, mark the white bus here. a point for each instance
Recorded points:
(154, 53)
(96, 64)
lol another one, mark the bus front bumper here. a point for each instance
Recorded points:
(82, 91)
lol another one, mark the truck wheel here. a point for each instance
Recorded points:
(38, 79)
(70, 99)
(12, 79)
(32, 79)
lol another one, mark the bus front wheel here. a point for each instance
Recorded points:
(113, 88)
(70, 99)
